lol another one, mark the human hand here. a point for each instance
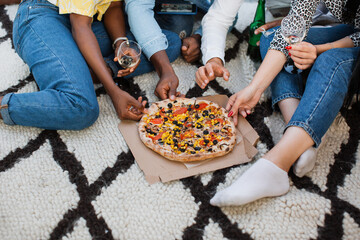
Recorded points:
(128, 107)
(212, 69)
(166, 87)
(303, 54)
(266, 27)
(129, 52)
(242, 102)
(190, 49)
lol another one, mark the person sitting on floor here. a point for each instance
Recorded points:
(308, 110)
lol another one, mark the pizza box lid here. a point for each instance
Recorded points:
(156, 168)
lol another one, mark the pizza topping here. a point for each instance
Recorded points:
(188, 128)
(156, 121)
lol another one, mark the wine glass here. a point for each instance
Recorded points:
(128, 54)
(293, 30)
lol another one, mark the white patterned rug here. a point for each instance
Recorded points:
(86, 184)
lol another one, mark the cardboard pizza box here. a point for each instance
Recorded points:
(156, 168)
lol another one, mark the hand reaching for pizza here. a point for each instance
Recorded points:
(167, 85)
(128, 107)
(242, 102)
(212, 69)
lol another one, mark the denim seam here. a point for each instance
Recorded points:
(331, 80)
(5, 111)
(285, 96)
(307, 129)
(66, 74)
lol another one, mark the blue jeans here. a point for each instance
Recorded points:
(326, 86)
(67, 98)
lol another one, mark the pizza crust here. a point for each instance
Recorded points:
(222, 148)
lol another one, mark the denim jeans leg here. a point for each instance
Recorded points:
(66, 99)
(325, 90)
(182, 25)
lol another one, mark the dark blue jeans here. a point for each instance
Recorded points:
(327, 84)
(66, 100)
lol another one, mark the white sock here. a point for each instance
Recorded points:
(305, 163)
(263, 179)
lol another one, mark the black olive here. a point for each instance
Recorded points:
(175, 122)
(160, 108)
(216, 130)
(160, 142)
(215, 142)
(169, 111)
(199, 126)
(148, 130)
(197, 148)
(189, 109)
(165, 119)
(190, 145)
(205, 113)
(197, 116)
(197, 106)
(206, 141)
(182, 149)
(169, 105)
(212, 116)
(210, 149)
(186, 119)
(193, 152)
(217, 123)
(175, 140)
(157, 116)
(206, 132)
(175, 101)
(197, 135)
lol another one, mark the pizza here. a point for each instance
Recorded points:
(187, 130)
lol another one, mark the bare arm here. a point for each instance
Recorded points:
(88, 45)
(342, 43)
(168, 83)
(8, 2)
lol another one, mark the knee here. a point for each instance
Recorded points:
(337, 62)
(174, 45)
(84, 114)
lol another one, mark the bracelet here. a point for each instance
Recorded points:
(118, 39)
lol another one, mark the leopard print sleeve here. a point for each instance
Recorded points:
(355, 37)
(304, 8)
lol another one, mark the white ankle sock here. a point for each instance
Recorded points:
(263, 179)
(305, 163)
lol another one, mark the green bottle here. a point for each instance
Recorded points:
(259, 20)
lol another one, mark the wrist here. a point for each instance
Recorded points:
(118, 41)
(216, 60)
(324, 47)
(197, 37)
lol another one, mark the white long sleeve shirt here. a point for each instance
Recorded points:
(215, 25)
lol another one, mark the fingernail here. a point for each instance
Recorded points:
(288, 47)
(289, 54)
(230, 113)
